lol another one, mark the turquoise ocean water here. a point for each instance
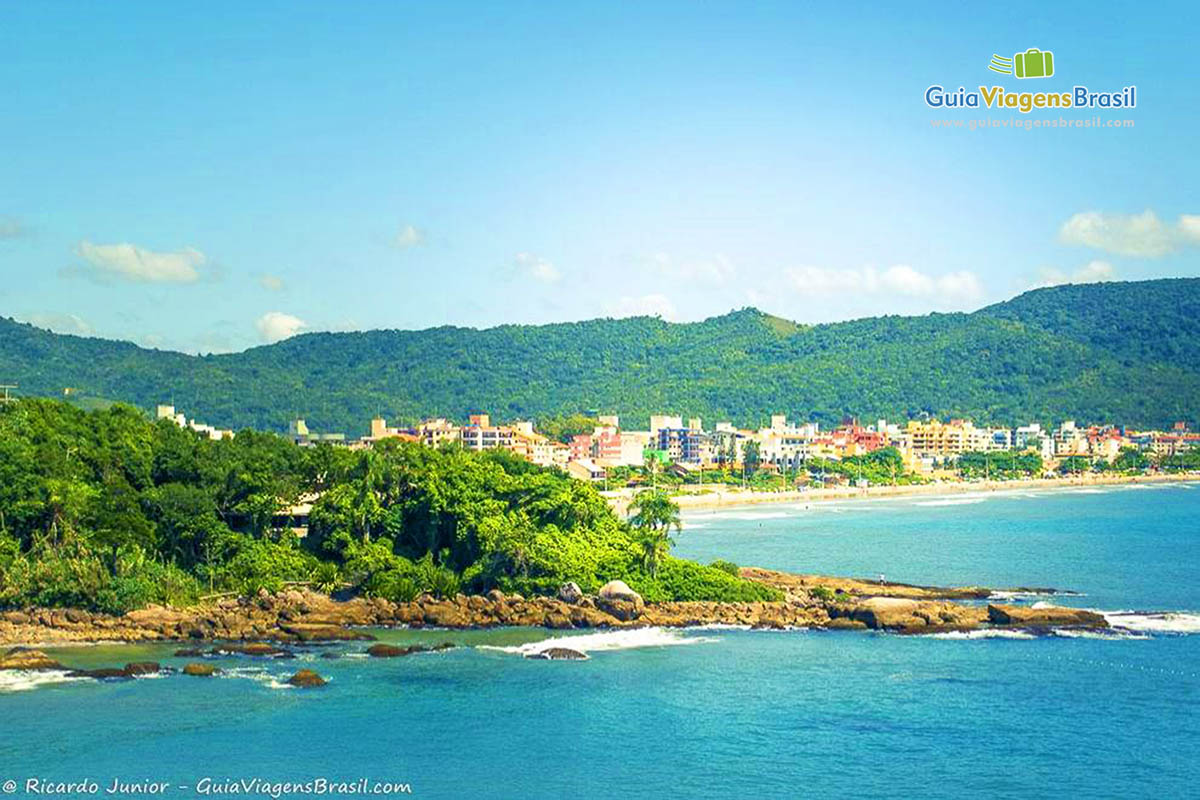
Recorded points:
(717, 712)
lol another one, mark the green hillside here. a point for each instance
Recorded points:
(1127, 352)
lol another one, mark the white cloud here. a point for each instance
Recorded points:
(716, 270)
(1189, 227)
(536, 267)
(1140, 235)
(61, 323)
(647, 305)
(408, 236)
(901, 279)
(272, 283)
(11, 228)
(132, 263)
(275, 326)
(1091, 272)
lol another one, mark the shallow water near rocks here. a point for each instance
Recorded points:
(731, 712)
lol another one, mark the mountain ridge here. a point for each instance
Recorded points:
(1123, 352)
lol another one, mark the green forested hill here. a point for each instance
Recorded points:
(1126, 352)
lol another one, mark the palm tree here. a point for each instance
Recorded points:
(654, 516)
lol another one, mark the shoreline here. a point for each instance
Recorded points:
(305, 617)
(736, 497)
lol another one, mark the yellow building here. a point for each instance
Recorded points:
(935, 438)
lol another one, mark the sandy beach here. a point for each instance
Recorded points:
(721, 496)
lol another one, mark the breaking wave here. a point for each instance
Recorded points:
(984, 633)
(22, 680)
(1153, 621)
(609, 640)
(953, 501)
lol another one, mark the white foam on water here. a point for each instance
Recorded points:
(752, 516)
(22, 680)
(955, 501)
(1111, 634)
(720, 626)
(984, 633)
(258, 675)
(1013, 594)
(1154, 621)
(609, 640)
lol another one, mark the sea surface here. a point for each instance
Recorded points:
(715, 712)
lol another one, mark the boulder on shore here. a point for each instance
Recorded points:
(307, 679)
(200, 670)
(570, 592)
(618, 600)
(1044, 617)
(22, 658)
(559, 654)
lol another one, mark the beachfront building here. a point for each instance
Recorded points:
(690, 444)
(938, 439)
(586, 470)
(436, 432)
(301, 435)
(177, 417)
(480, 434)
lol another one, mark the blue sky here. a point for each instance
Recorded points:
(208, 177)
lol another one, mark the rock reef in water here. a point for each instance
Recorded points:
(307, 679)
(559, 654)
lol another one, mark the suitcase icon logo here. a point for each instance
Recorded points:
(1033, 63)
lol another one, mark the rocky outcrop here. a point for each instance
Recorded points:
(256, 649)
(200, 670)
(909, 616)
(800, 587)
(559, 654)
(307, 679)
(303, 617)
(23, 658)
(392, 651)
(126, 672)
(618, 600)
(1044, 616)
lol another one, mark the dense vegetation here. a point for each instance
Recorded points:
(107, 510)
(1123, 352)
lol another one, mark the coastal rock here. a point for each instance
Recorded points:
(256, 649)
(570, 593)
(617, 599)
(22, 658)
(200, 670)
(387, 651)
(392, 651)
(1044, 617)
(126, 672)
(189, 652)
(558, 654)
(910, 616)
(318, 632)
(307, 679)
